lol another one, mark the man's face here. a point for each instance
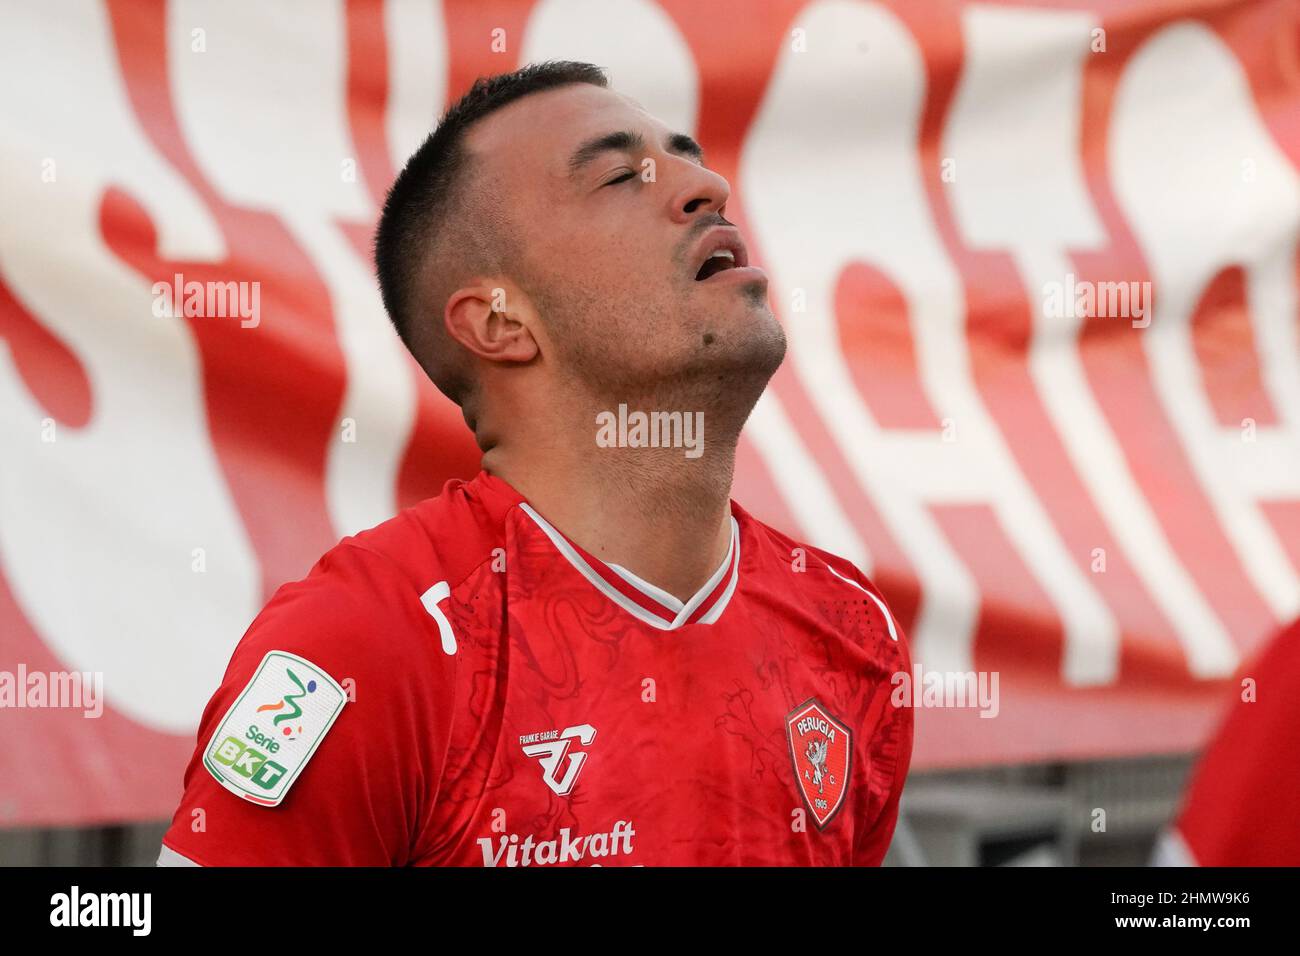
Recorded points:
(616, 215)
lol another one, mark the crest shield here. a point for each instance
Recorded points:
(822, 750)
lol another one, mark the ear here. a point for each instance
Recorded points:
(494, 321)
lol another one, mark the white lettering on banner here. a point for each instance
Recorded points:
(907, 473)
(294, 181)
(647, 57)
(866, 171)
(417, 76)
(1254, 220)
(97, 527)
(1062, 385)
(998, 205)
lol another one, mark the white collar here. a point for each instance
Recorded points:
(640, 598)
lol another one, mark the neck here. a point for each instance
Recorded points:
(654, 511)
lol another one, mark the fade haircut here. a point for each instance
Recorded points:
(434, 230)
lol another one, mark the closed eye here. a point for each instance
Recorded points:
(631, 174)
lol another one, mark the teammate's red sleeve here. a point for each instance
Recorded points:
(1242, 806)
(364, 793)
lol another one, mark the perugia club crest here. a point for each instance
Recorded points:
(822, 750)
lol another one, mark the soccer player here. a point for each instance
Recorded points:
(587, 654)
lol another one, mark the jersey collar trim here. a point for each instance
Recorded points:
(640, 598)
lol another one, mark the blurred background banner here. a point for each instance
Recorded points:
(1037, 263)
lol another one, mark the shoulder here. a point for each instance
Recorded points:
(827, 583)
(364, 608)
(446, 537)
(441, 539)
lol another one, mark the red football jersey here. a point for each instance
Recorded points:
(463, 685)
(1242, 807)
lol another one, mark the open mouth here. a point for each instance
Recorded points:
(720, 261)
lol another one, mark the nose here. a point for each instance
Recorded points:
(700, 190)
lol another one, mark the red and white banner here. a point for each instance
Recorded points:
(1037, 263)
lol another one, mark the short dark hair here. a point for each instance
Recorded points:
(420, 206)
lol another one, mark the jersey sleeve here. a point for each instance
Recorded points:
(890, 744)
(1241, 808)
(892, 741)
(340, 683)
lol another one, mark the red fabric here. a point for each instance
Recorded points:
(852, 439)
(1243, 804)
(427, 766)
